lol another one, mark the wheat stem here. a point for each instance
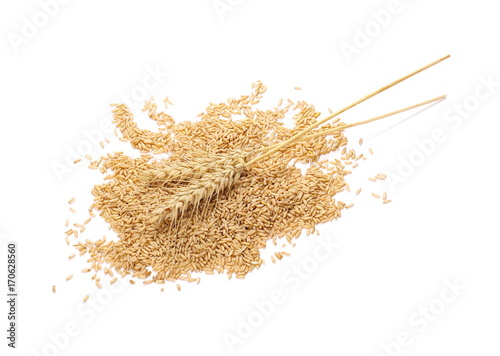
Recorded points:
(359, 101)
(358, 123)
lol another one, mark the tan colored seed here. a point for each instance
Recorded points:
(179, 287)
(358, 191)
(86, 298)
(69, 277)
(54, 289)
(375, 195)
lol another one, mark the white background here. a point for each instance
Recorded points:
(58, 80)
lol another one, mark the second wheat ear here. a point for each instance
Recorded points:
(210, 174)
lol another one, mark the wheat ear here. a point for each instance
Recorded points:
(220, 171)
(193, 166)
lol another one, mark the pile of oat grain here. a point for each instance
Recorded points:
(273, 199)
